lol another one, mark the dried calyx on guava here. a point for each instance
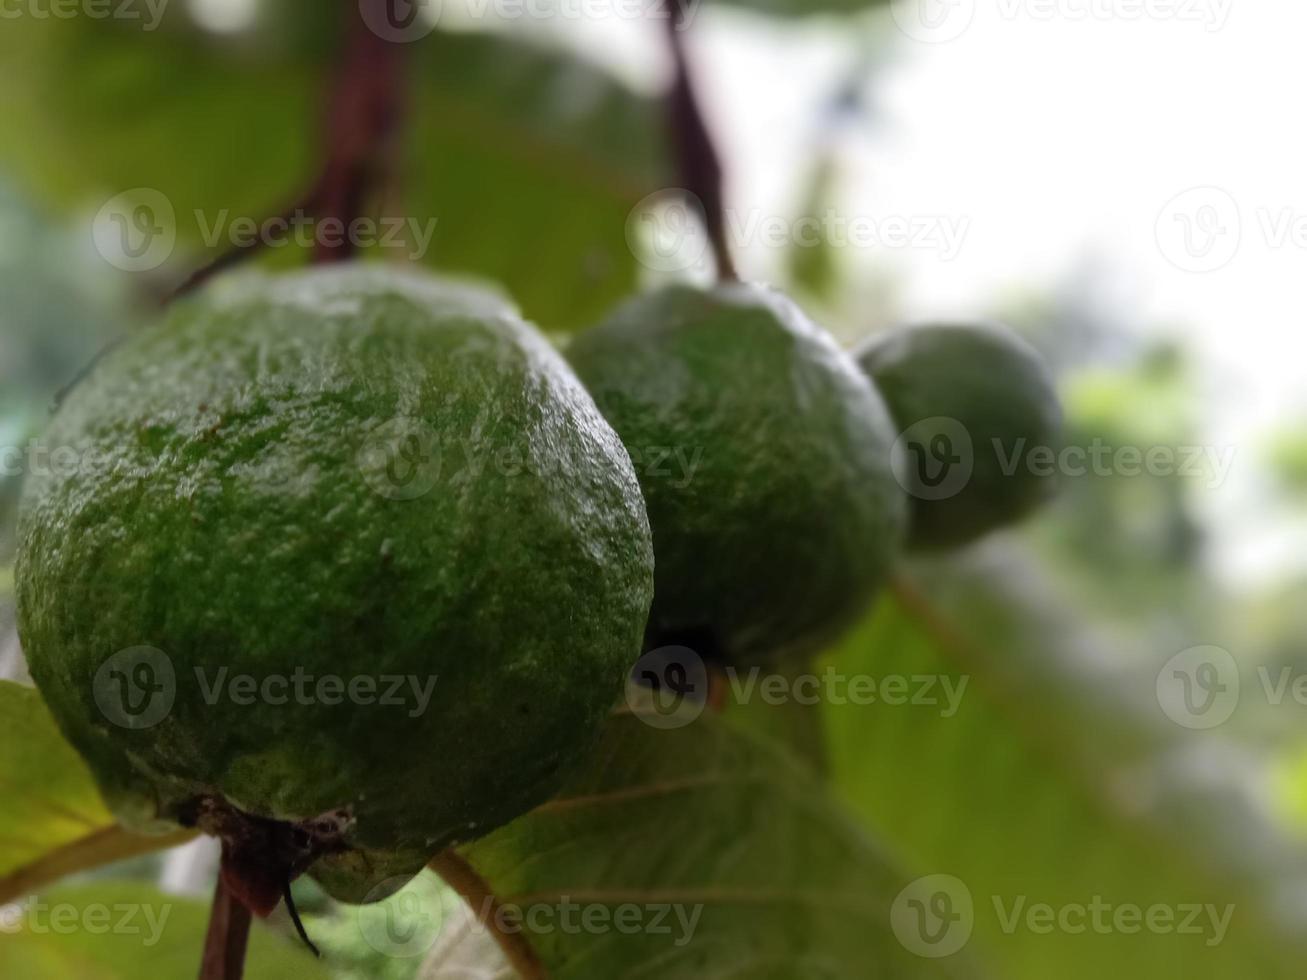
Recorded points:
(973, 402)
(350, 568)
(764, 457)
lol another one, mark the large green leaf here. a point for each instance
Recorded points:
(531, 164)
(52, 822)
(94, 108)
(527, 161)
(1058, 785)
(128, 930)
(753, 871)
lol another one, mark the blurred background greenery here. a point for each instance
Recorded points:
(532, 140)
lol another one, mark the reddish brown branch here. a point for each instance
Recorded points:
(361, 117)
(227, 938)
(698, 165)
(363, 110)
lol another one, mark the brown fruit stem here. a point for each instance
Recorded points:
(227, 938)
(698, 165)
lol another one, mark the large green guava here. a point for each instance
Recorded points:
(342, 564)
(764, 457)
(980, 422)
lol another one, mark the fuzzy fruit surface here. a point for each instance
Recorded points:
(980, 398)
(764, 457)
(352, 473)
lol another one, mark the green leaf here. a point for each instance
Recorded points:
(97, 107)
(128, 930)
(1058, 784)
(752, 870)
(527, 161)
(531, 164)
(53, 822)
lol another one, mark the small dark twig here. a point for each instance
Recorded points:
(294, 914)
(228, 936)
(239, 252)
(698, 164)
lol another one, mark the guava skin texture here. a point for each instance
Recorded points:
(764, 457)
(247, 505)
(978, 395)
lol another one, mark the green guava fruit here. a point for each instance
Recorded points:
(972, 403)
(347, 569)
(764, 457)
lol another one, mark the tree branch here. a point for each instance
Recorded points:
(698, 164)
(361, 117)
(227, 938)
(363, 110)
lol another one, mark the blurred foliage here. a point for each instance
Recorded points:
(53, 822)
(1288, 460)
(348, 940)
(559, 153)
(107, 931)
(1059, 781)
